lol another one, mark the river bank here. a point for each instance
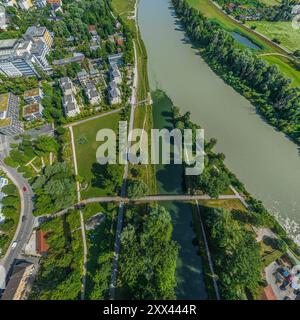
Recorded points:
(263, 159)
(169, 180)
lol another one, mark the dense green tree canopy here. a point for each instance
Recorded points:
(148, 260)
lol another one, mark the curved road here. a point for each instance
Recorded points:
(26, 220)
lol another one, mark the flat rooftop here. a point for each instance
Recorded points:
(31, 109)
(5, 122)
(7, 44)
(4, 102)
(31, 93)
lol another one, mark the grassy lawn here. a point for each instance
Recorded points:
(282, 30)
(230, 204)
(125, 9)
(143, 114)
(86, 146)
(268, 254)
(213, 13)
(293, 74)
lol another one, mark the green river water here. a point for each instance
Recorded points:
(263, 158)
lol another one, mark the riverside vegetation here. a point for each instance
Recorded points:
(263, 84)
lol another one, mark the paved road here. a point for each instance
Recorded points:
(26, 220)
(112, 287)
(85, 253)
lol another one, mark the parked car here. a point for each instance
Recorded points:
(14, 245)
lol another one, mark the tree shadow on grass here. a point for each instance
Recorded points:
(98, 175)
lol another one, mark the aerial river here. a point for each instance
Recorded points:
(263, 159)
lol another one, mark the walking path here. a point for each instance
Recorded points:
(265, 38)
(112, 287)
(70, 125)
(85, 252)
(26, 219)
(211, 267)
(155, 198)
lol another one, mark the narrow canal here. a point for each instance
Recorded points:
(264, 159)
(189, 273)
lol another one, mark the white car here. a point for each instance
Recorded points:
(14, 245)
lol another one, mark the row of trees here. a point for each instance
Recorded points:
(11, 211)
(54, 189)
(59, 276)
(148, 259)
(212, 181)
(236, 254)
(262, 83)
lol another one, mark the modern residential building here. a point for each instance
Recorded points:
(23, 57)
(115, 96)
(40, 3)
(15, 66)
(8, 46)
(67, 86)
(34, 95)
(3, 25)
(34, 33)
(92, 93)
(69, 101)
(9, 3)
(55, 4)
(33, 111)
(83, 76)
(25, 4)
(70, 105)
(9, 115)
(115, 74)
